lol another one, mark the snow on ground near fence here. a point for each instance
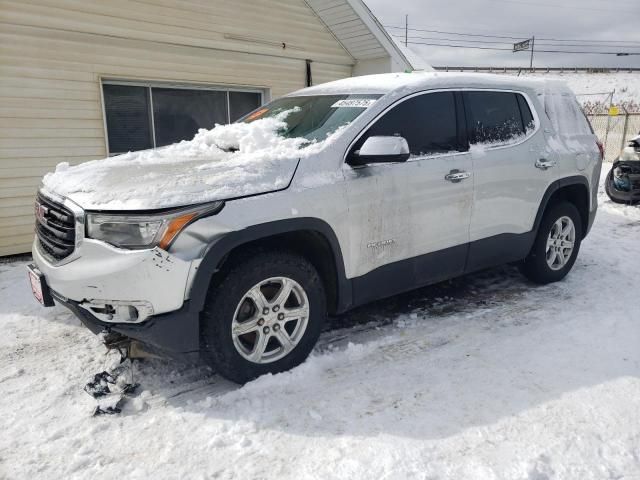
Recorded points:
(626, 85)
(485, 377)
(592, 91)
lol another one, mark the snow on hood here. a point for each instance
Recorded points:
(225, 162)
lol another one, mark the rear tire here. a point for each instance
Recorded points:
(279, 333)
(556, 246)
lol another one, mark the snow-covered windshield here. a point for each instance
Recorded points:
(314, 117)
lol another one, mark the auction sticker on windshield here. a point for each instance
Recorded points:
(354, 103)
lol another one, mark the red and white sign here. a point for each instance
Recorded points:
(36, 286)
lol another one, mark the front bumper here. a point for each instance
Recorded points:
(630, 196)
(176, 333)
(101, 274)
(631, 173)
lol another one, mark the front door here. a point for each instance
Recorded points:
(410, 221)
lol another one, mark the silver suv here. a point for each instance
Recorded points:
(237, 245)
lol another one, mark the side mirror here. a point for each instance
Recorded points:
(381, 150)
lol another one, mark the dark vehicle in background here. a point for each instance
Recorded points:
(623, 182)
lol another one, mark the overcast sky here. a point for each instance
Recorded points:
(593, 20)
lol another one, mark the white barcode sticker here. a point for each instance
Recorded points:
(354, 103)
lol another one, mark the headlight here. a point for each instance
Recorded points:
(145, 230)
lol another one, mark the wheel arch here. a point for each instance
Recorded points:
(573, 189)
(311, 237)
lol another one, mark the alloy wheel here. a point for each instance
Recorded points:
(270, 320)
(560, 243)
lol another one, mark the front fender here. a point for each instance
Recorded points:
(219, 250)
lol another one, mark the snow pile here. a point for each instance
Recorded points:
(224, 162)
(249, 138)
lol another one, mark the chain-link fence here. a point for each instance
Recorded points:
(615, 131)
(614, 124)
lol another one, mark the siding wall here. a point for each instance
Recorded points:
(53, 54)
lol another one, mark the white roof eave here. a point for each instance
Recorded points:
(379, 36)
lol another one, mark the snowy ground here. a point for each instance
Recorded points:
(592, 86)
(487, 377)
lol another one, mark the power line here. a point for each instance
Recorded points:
(510, 50)
(583, 40)
(454, 33)
(587, 45)
(443, 39)
(512, 37)
(452, 39)
(572, 7)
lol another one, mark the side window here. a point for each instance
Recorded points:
(525, 112)
(565, 114)
(493, 117)
(427, 122)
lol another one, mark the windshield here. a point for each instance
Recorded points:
(314, 117)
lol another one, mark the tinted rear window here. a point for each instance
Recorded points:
(494, 117)
(565, 114)
(525, 112)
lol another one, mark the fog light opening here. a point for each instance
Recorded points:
(119, 311)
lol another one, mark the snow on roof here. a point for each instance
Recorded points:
(388, 82)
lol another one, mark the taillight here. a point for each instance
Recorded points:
(601, 148)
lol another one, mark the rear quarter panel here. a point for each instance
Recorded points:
(571, 138)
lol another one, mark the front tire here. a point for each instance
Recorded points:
(264, 316)
(556, 246)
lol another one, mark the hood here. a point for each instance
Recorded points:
(228, 161)
(108, 185)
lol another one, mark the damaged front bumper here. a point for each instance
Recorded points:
(118, 285)
(623, 181)
(138, 293)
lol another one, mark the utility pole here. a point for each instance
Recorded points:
(406, 30)
(533, 42)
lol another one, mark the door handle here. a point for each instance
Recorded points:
(544, 164)
(455, 176)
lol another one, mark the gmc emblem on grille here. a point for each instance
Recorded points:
(41, 212)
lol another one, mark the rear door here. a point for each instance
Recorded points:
(506, 145)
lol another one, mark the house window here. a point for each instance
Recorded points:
(149, 116)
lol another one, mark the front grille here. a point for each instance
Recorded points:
(55, 228)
